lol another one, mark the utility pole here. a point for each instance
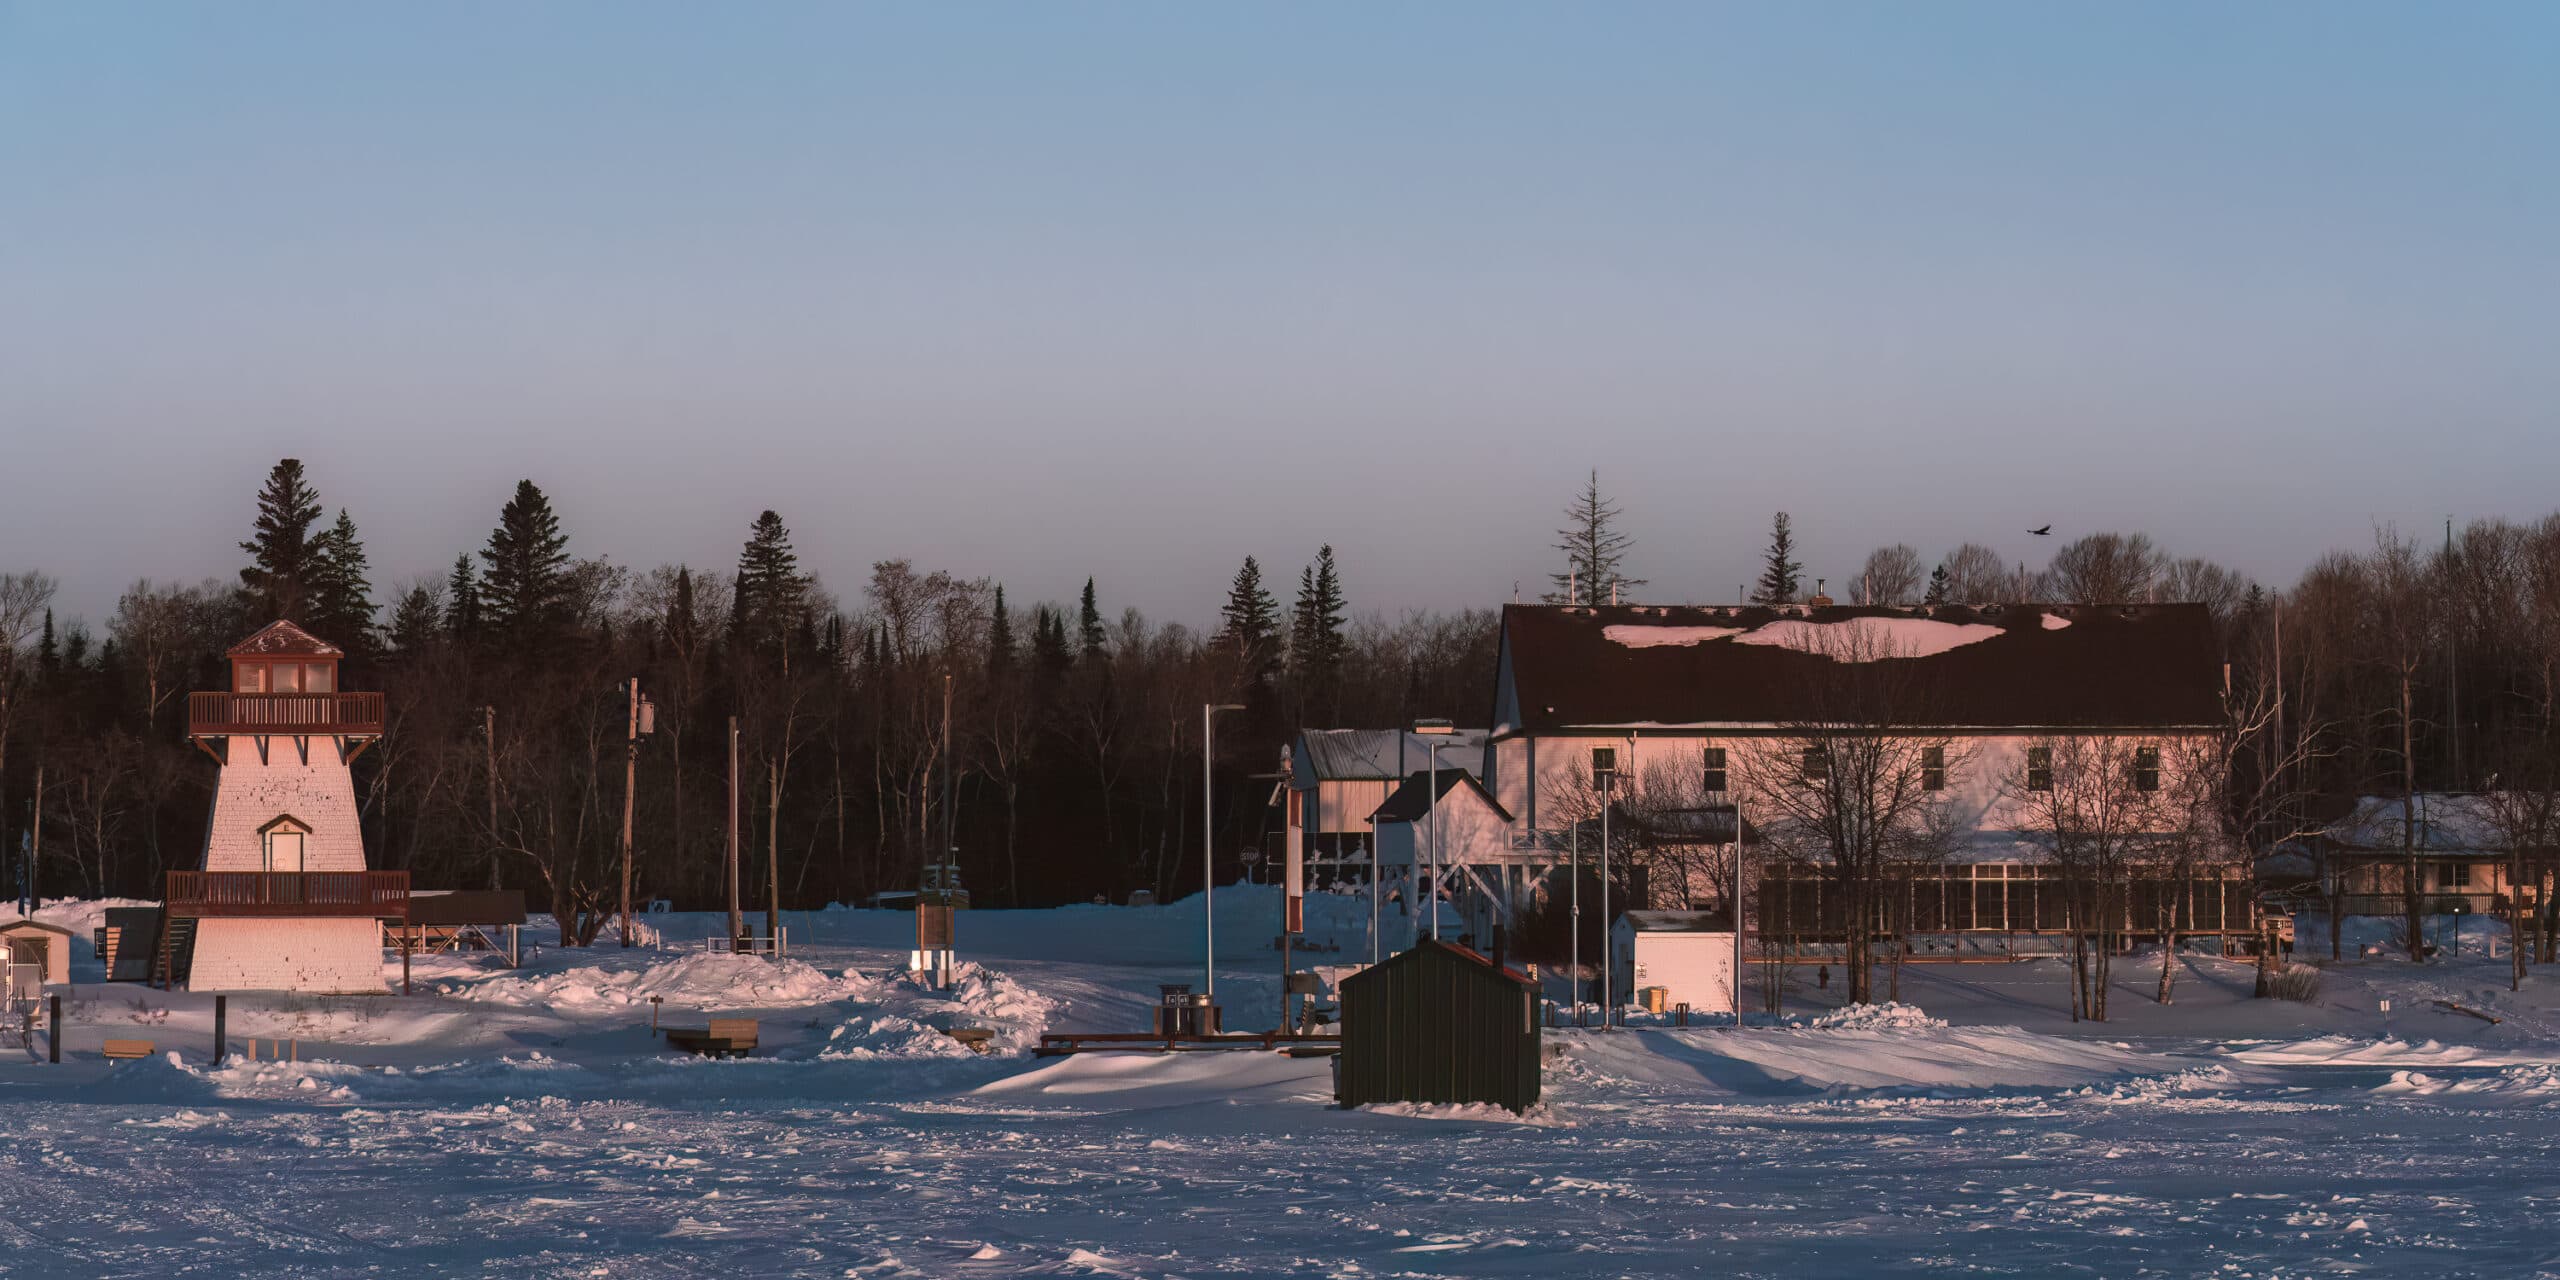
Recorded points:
(1608, 1011)
(489, 726)
(630, 778)
(737, 918)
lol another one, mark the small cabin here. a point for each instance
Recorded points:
(39, 954)
(1439, 1023)
(1689, 954)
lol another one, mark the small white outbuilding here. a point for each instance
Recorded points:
(1687, 953)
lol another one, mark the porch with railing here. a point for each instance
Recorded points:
(342, 715)
(359, 894)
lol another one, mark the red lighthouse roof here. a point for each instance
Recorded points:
(282, 639)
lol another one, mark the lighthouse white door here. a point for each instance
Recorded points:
(284, 851)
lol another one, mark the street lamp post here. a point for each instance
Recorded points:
(1433, 799)
(1208, 852)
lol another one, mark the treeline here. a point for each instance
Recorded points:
(1054, 746)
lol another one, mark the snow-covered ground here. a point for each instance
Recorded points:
(527, 1122)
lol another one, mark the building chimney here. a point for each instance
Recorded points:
(1819, 600)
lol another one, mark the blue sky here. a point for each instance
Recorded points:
(1130, 290)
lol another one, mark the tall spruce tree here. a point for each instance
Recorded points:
(1937, 594)
(462, 601)
(1091, 639)
(1050, 654)
(1595, 551)
(1316, 646)
(417, 624)
(1250, 623)
(1781, 575)
(771, 592)
(280, 549)
(1000, 637)
(525, 581)
(340, 588)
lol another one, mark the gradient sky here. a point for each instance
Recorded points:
(1134, 290)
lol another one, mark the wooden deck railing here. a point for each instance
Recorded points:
(365, 894)
(350, 715)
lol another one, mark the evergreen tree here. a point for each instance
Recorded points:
(416, 623)
(1000, 637)
(462, 601)
(1090, 637)
(48, 652)
(1937, 587)
(771, 592)
(1316, 646)
(340, 592)
(1050, 655)
(1594, 550)
(280, 550)
(1783, 574)
(527, 568)
(683, 622)
(1251, 622)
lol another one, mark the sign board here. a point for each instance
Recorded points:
(933, 926)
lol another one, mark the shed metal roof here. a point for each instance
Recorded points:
(1340, 755)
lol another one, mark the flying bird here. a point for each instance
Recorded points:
(2041, 532)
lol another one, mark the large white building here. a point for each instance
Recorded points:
(1682, 705)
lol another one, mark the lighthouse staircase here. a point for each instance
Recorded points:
(176, 955)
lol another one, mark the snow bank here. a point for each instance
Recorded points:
(910, 1020)
(701, 980)
(2537, 1085)
(1807, 1060)
(1876, 1017)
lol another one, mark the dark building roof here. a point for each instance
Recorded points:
(1337, 755)
(1412, 801)
(467, 906)
(282, 639)
(2012, 666)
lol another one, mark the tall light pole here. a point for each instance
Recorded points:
(1208, 851)
(1608, 780)
(1436, 727)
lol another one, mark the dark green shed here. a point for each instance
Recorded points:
(1438, 1023)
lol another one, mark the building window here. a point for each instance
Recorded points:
(317, 677)
(249, 677)
(1604, 766)
(1714, 778)
(1817, 764)
(2457, 875)
(2039, 768)
(2146, 768)
(1933, 768)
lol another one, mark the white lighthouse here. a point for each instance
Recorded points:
(284, 900)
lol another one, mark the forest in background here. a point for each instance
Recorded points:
(1054, 745)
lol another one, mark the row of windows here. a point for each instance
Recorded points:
(284, 677)
(1715, 775)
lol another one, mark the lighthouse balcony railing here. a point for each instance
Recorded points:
(365, 894)
(342, 715)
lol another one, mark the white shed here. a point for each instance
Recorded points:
(1690, 953)
(37, 954)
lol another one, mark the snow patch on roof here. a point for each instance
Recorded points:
(1868, 639)
(2055, 622)
(1640, 636)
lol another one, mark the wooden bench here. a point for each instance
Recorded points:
(723, 1038)
(128, 1050)
(979, 1039)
